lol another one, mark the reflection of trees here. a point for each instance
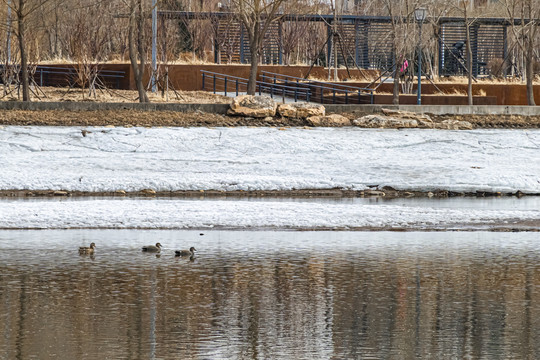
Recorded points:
(345, 304)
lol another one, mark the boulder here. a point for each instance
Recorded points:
(401, 114)
(381, 121)
(329, 120)
(300, 110)
(453, 125)
(253, 106)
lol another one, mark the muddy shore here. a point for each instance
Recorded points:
(129, 118)
(386, 192)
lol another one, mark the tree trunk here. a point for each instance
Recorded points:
(22, 48)
(136, 50)
(254, 47)
(395, 91)
(530, 70)
(252, 82)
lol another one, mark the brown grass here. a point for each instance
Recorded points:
(53, 94)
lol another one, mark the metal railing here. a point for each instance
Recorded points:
(232, 84)
(321, 91)
(54, 75)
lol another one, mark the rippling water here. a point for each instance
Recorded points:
(260, 295)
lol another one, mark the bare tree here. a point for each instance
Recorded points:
(256, 16)
(137, 45)
(400, 19)
(23, 11)
(527, 12)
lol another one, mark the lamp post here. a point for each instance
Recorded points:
(420, 16)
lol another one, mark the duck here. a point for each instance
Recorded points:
(152, 248)
(190, 252)
(83, 250)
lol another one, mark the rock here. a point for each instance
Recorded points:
(60, 193)
(268, 118)
(374, 193)
(121, 192)
(329, 120)
(381, 121)
(453, 125)
(253, 106)
(148, 191)
(301, 110)
(401, 114)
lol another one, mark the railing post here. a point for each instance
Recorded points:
(272, 91)
(334, 96)
(214, 83)
(203, 74)
(359, 97)
(322, 95)
(236, 87)
(283, 96)
(225, 86)
(41, 77)
(347, 97)
(260, 91)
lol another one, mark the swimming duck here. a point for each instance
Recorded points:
(190, 252)
(152, 248)
(83, 250)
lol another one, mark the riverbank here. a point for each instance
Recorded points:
(194, 117)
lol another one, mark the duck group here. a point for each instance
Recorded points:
(83, 250)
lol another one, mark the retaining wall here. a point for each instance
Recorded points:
(222, 108)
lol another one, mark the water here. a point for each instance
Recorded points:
(270, 294)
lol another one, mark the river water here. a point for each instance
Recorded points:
(270, 295)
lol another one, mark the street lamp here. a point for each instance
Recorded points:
(420, 16)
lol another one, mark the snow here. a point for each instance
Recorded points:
(170, 159)
(246, 214)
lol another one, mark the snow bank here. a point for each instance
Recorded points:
(169, 159)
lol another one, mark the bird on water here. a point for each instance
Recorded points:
(190, 252)
(83, 250)
(152, 248)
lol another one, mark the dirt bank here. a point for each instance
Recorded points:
(386, 192)
(171, 118)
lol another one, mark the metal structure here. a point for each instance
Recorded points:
(290, 87)
(488, 42)
(365, 39)
(420, 15)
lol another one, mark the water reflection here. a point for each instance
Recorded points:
(270, 295)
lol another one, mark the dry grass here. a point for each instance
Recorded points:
(494, 80)
(51, 94)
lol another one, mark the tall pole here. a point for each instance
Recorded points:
(154, 46)
(419, 87)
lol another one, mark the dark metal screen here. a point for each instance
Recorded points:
(487, 43)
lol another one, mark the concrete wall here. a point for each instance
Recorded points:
(91, 106)
(440, 109)
(222, 108)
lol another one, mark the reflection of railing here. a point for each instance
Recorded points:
(55, 75)
(324, 92)
(288, 86)
(227, 84)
